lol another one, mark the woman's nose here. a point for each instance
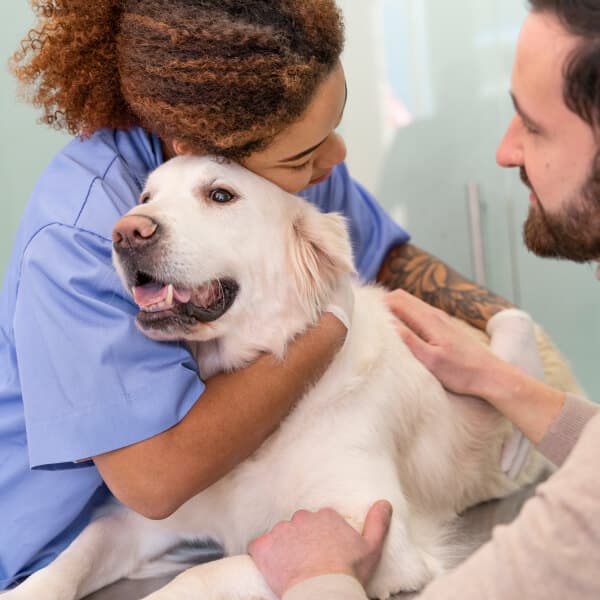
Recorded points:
(332, 152)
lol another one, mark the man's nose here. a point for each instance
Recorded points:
(134, 231)
(510, 152)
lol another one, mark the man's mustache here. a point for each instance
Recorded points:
(525, 178)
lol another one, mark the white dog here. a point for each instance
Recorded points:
(230, 263)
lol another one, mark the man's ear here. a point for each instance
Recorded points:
(320, 252)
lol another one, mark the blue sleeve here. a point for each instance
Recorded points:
(372, 230)
(91, 382)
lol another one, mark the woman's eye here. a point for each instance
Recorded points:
(301, 166)
(145, 197)
(220, 195)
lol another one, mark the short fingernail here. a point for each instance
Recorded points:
(386, 506)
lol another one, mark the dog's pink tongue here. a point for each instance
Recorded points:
(149, 294)
(153, 293)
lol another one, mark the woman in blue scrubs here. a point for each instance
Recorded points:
(88, 405)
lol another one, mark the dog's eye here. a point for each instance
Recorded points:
(145, 197)
(220, 195)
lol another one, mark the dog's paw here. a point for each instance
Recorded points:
(404, 566)
(404, 578)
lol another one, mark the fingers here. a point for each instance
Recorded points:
(414, 312)
(416, 345)
(377, 523)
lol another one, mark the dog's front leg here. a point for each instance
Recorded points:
(231, 578)
(108, 549)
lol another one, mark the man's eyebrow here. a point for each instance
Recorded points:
(519, 110)
(313, 148)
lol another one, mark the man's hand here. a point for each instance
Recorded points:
(458, 360)
(321, 543)
(465, 366)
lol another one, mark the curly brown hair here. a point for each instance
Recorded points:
(222, 76)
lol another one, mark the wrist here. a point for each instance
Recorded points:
(525, 401)
(321, 571)
(484, 377)
(496, 384)
(334, 328)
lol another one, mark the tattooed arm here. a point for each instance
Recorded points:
(412, 269)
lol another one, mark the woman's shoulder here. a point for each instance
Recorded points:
(92, 181)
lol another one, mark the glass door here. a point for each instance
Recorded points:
(428, 104)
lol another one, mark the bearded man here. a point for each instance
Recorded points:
(552, 549)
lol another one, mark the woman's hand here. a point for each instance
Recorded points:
(320, 543)
(458, 360)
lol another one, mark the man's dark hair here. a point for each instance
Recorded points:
(582, 71)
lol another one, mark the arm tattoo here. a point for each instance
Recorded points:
(411, 269)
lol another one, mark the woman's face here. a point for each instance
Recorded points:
(304, 153)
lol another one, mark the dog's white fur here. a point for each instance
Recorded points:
(376, 425)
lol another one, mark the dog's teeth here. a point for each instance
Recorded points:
(169, 299)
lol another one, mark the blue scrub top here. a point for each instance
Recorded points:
(77, 378)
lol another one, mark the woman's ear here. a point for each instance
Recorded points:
(319, 253)
(180, 148)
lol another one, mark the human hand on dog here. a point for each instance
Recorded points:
(458, 360)
(465, 366)
(321, 543)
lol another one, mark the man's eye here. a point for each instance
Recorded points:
(529, 128)
(220, 195)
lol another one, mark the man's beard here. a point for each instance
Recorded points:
(573, 234)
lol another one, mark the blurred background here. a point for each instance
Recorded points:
(428, 102)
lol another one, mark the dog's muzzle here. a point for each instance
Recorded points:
(138, 243)
(167, 305)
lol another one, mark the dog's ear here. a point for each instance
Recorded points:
(320, 253)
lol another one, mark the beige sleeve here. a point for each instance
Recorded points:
(566, 429)
(327, 587)
(551, 550)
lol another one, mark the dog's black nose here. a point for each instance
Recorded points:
(134, 231)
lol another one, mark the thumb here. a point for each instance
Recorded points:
(377, 523)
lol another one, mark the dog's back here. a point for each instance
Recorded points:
(376, 425)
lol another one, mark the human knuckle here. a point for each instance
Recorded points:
(257, 546)
(300, 515)
(328, 512)
(279, 527)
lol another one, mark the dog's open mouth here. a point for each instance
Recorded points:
(161, 303)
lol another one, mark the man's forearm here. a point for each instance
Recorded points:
(527, 402)
(414, 270)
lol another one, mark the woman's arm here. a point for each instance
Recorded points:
(231, 419)
(423, 275)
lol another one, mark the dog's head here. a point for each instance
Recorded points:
(213, 249)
